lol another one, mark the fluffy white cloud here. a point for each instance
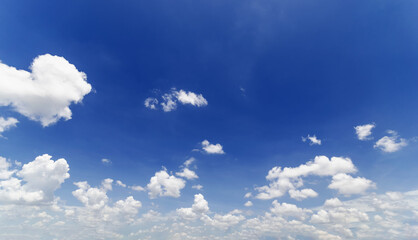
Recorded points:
(46, 93)
(333, 202)
(289, 210)
(391, 143)
(212, 148)
(41, 178)
(248, 204)
(364, 131)
(137, 188)
(94, 198)
(313, 140)
(169, 100)
(283, 180)
(187, 173)
(347, 185)
(6, 124)
(189, 161)
(163, 184)
(302, 194)
(191, 98)
(199, 207)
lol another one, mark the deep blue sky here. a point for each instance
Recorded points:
(307, 67)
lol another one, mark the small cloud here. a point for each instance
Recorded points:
(106, 161)
(189, 161)
(364, 131)
(187, 173)
(313, 140)
(248, 204)
(212, 148)
(248, 195)
(169, 100)
(6, 124)
(120, 183)
(391, 143)
(137, 188)
(198, 187)
(151, 103)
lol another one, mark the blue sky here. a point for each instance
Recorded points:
(255, 77)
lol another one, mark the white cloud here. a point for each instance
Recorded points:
(248, 195)
(212, 148)
(169, 100)
(302, 194)
(197, 187)
(120, 183)
(313, 140)
(187, 173)
(163, 184)
(189, 161)
(364, 131)
(41, 178)
(199, 207)
(106, 161)
(191, 98)
(46, 93)
(283, 180)
(391, 143)
(151, 103)
(137, 188)
(289, 210)
(94, 198)
(6, 124)
(333, 202)
(248, 204)
(107, 184)
(347, 185)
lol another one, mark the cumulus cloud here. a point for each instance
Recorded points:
(347, 185)
(46, 93)
(137, 188)
(6, 124)
(120, 183)
(35, 183)
(283, 180)
(199, 207)
(313, 140)
(364, 131)
(169, 100)
(163, 184)
(212, 148)
(391, 143)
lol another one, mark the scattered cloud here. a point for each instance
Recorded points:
(6, 124)
(288, 178)
(313, 140)
(137, 188)
(302, 194)
(391, 143)
(212, 148)
(364, 131)
(169, 100)
(189, 161)
(46, 93)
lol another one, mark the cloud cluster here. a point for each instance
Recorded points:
(35, 183)
(289, 179)
(163, 184)
(46, 93)
(169, 100)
